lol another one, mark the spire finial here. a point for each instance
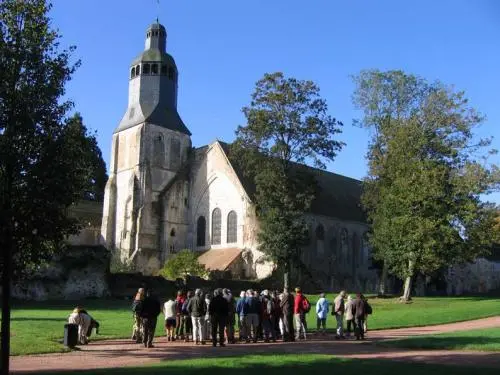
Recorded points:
(157, 11)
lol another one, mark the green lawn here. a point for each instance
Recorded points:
(37, 327)
(478, 339)
(288, 364)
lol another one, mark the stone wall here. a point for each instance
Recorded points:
(482, 276)
(81, 272)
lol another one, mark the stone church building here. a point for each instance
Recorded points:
(164, 195)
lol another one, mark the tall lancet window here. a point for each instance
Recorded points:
(216, 227)
(158, 150)
(232, 227)
(175, 153)
(201, 227)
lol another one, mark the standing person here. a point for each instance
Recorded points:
(170, 321)
(151, 308)
(349, 316)
(242, 311)
(230, 319)
(368, 310)
(338, 311)
(197, 309)
(219, 310)
(322, 308)
(207, 326)
(253, 311)
(179, 323)
(136, 310)
(275, 296)
(301, 307)
(267, 316)
(83, 320)
(359, 311)
(186, 318)
(286, 304)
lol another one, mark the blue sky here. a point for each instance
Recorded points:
(223, 47)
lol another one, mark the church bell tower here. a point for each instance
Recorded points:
(149, 146)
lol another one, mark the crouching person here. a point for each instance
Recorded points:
(81, 318)
(151, 308)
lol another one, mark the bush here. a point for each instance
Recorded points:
(181, 265)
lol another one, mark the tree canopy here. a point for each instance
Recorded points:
(288, 125)
(184, 263)
(427, 172)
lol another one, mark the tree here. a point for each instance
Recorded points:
(287, 125)
(422, 194)
(184, 263)
(93, 164)
(43, 169)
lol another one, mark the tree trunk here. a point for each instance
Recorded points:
(286, 276)
(7, 268)
(408, 283)
(383, 280)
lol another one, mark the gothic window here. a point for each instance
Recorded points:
(146, 68)
(172, 232)
(216, 226)
(175, 152)
(154, 68)
(320, 239)
(164, 70)
(232, 227)
(158, 150)
(132, 72)
(137, 70)
(171, 73)
(201, 227)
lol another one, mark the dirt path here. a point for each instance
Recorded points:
(120, 353)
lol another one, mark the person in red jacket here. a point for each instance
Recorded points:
(299, 311)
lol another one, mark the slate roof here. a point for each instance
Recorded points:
(339, 196)
(219, 259)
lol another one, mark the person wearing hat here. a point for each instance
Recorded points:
(299, 312)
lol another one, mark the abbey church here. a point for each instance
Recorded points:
(164, 195)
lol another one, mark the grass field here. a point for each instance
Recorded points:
(37, 327)
(478, 339)
(287, 364)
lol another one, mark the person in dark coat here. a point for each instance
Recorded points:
(286, 305)
(219, 311)
(151, 308)
(359, 312)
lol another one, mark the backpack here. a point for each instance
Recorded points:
(306, 306)
(368, 308)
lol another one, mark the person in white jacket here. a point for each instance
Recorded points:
(83, 320)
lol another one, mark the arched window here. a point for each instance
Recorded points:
(320, 239)
(158, 150)
(201, 227)
(216, 226)
(344, 246)
(145, 68)
(232, 227)
(171, 73)
(164, 70)
(172, 232)
(137, 70)
(154, 68)
(132, 72)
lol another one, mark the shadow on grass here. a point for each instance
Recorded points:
(34, 319)
(285, 365)
(483, 343)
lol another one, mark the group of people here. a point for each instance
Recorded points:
(268, 316)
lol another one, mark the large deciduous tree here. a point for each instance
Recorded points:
(422, 194)
(287, 125)
(44, 162)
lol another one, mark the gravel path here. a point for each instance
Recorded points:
(120, 353)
